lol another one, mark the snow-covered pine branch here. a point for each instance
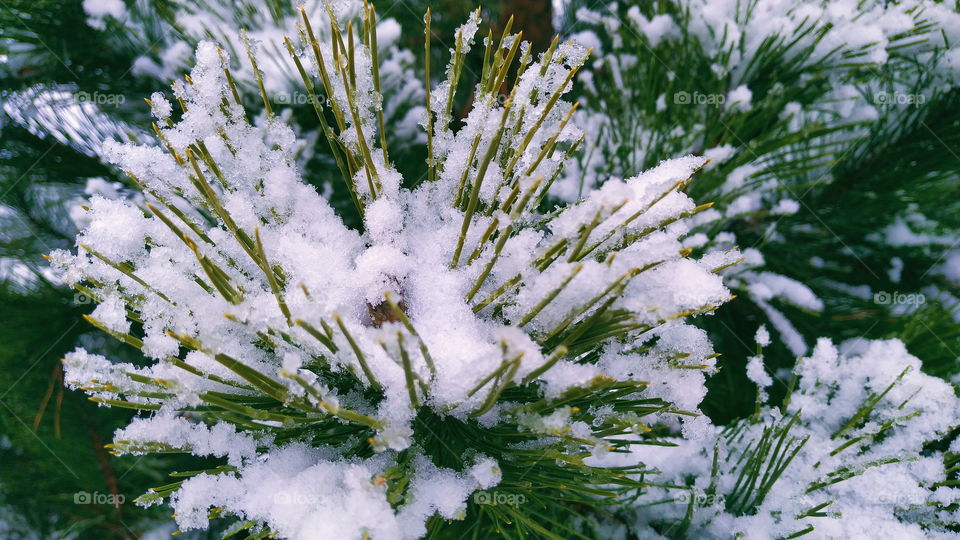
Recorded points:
(782, 96)
(362, 383)
(854, 451)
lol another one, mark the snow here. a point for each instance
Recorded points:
(388, 32)
(739, 98)
(860, 40)
(894, 492)
(911, 230)
(767, 285)
(785, 207)
(757, 373)
(588, 39)
(159, 106)
(98, 10)
(762, 336)
(112, 313)
(719, 154)
(229, 251)
(655, 29)
(200, 285)
(896, 269)
(951, 266)
(71, 117)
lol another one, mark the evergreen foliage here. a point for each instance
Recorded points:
(832, 132)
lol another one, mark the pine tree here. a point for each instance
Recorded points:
(71, 79)
(837, 143)
(829, 138)
(215, 277)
